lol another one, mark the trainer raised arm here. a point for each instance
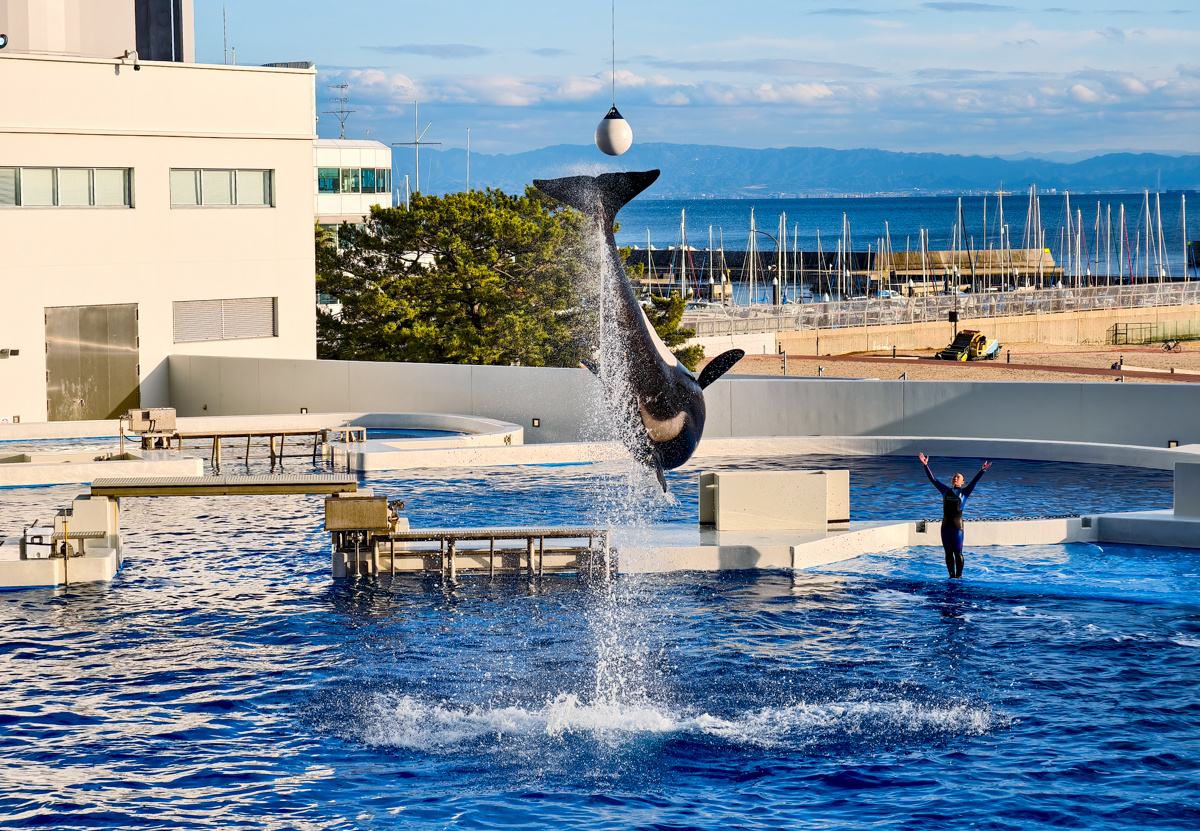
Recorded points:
(954, 498)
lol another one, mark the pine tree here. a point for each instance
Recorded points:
(480, 278)
(665, 315)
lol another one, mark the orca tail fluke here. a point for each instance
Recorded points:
(602, 195)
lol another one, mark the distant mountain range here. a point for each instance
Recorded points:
(693, 170)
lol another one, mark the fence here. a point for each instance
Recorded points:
(1121, 334)
(880, 311)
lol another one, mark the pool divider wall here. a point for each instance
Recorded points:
(753, 500)
(1187, 490)
(738, 406)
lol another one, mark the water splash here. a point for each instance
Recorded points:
(407, 722)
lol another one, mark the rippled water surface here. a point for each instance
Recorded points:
(224, 681)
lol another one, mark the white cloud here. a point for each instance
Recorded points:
(1134, 86)
(1081, 93)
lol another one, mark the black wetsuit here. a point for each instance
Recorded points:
(953, 500)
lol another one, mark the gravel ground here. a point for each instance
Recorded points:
(920, 366)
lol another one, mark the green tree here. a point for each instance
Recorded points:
(480, 277)
(665, 314)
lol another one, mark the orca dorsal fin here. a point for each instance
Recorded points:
(719, 365)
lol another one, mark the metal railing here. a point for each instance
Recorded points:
(883, 311)
(1121, 334)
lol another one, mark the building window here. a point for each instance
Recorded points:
(65, 187)
(354, 180)
(233, 319)
(218, 188)
(327, 180)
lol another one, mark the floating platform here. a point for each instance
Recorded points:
(225, 485)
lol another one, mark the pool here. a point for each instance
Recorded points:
(388, 434)
(1054, 686)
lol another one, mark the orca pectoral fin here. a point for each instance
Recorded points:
(719, 365)
(658, 469)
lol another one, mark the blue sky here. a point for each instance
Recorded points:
(953, 77)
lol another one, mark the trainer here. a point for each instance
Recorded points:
(953, 500)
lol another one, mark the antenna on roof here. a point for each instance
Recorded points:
(342, 100)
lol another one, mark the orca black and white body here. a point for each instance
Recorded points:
(662, 401)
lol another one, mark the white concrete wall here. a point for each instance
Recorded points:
(95, 28)
(559, 398)
(740, 406)
(79, 112)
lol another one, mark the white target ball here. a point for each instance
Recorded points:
(614, 135)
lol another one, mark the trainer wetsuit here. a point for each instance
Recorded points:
(953, 500)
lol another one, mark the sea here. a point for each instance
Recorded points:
(991, 222)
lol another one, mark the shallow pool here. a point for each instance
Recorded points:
(224, 681)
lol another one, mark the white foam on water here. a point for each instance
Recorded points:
(404, 721)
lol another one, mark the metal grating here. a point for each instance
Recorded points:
(224, 485)
(498, 533)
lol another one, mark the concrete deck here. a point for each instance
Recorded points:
(797, 550)
(71, 468)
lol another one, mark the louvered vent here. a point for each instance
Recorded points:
(234, 319)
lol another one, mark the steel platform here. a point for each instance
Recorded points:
(225, 485)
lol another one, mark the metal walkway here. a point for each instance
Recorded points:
(224, 485)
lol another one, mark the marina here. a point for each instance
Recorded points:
(864, 246)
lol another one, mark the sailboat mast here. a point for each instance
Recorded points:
(1120, 243)
(820, 260)
(712, 265)
(752, 253)
(781, 258)
(797, 265)
(1163, 266)
(1108, 244)
(649, 261)
(1000, 225)
(1079, 247)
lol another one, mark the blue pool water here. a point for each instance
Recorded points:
(387, 434)
(224, 681)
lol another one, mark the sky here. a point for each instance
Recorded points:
(1060, 81)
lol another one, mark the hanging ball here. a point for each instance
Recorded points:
(614, 135)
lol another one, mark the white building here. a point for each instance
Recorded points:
(351, 176)
(149, 205)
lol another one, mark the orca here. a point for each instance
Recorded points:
(661, 401)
